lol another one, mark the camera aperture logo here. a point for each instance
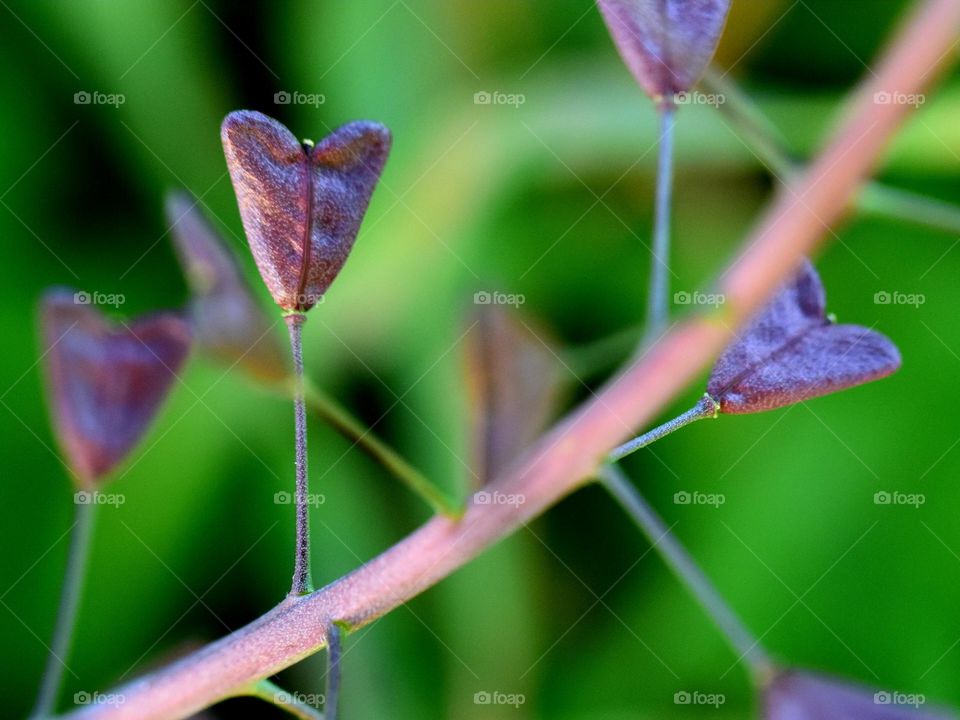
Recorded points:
(485, 497)
(95, 497)
(495, 697)
(82, 297)
(95, 97)
(282, 497)
(887, 697)
(695, 697)
(483, 97)
(695, 497)
(914, 500)
(295, 97)
(895, 297)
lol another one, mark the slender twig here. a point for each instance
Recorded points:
(286, 701)
(77, 559)
(331, 698)
(744, 643)
(572, 451)
(352, 429)
(706, 407)
(658, 299)
(302, 582)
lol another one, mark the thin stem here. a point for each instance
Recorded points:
(706, 407)
(744, 643)
(286, 701)
(334, 652)
(657, 301)
(77, 558)
(302, 583)
(352, 429)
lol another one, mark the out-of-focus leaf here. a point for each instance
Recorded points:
(666, 44)
(301, 204)
(797, 695)
(106, 381)
(791, 352)
(514, 383)
(228, 322)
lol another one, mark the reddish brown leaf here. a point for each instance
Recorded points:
(106, 381)
(796, 695)
(228, 323)
(301, 205)
(513, 381)
(666, 44)
(791, 352)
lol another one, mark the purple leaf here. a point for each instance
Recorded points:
(106, 381)
(514, 383)
(301, 205)
(795, 695)
(666, 44)
(791, 352)
(228, 323)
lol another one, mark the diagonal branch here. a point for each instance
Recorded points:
(570, 453)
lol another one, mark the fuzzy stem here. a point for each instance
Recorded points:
(302, 582)
(334, 653)
(280, 698)
(657, 301)
(706, 407)
(77, 559)
(740, 638)
(352, 429)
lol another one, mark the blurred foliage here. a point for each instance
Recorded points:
(550, 199)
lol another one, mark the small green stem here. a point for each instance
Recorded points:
(876, 199)
(302, 582)
(706, 407)
(658, 299)
(288, 702)
(331, 698)
(744, 643)
(352, 429)
(77, 559)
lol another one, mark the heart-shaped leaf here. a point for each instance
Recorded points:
(228, 323)
(301, 204)
(514, 382)
(106, 381)
(666, 44)
(791, 352)
(797, 695)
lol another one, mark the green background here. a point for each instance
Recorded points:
(473, 198)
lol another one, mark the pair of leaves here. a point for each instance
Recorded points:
(790, 352)
(666, 44)
(106, 381)
(301, 204)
